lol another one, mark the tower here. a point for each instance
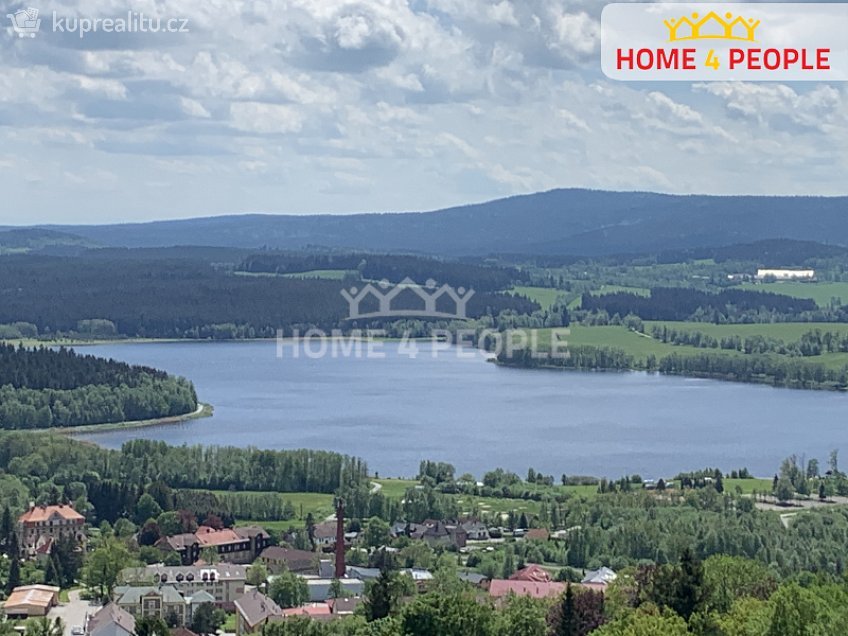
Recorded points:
(340, 545)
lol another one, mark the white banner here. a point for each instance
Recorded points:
(725, 41)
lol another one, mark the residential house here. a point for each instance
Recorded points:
(278, 559)
(31, 600)
(233, 545)
(475, 578)
(224, 581)
(599, 579)
(437, 533)
(40, 526)
(110, 620)
(324, 535)
(253, 611)
(316, 611)
(535, 589)
(320, 589)
(422, 578)
(475, 530)
(160, 601)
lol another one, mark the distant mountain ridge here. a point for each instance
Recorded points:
(578, 222)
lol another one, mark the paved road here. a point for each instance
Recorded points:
(73, 613)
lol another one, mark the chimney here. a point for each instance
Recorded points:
(340, 547)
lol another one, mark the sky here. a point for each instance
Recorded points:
(337, 106)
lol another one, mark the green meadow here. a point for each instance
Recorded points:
(545, 296)
(822, 293)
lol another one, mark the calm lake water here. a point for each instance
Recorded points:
(395, 411)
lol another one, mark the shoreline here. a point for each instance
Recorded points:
(695, 376)
(203, 410)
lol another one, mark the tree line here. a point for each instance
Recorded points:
(681, 304)
(811, 343)
(391, 267)
(774, 370)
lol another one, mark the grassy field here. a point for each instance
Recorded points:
(545, 296)
(822, 293)
(747, 486)
(640, 346)
(614, 289)
(395, 488)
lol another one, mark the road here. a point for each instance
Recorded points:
(75, 612)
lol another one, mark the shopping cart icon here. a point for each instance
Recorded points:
(25, 22)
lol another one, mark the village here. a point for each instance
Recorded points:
(222, 580)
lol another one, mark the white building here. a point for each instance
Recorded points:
(786, 274)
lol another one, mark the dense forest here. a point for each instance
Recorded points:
(187, 298)
(393, 268)
(43, 388)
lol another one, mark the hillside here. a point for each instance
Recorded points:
(22, 240)
(580, 222)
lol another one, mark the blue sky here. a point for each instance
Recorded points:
(303, 106)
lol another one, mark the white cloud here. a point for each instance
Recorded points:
(382, 104)
(257, 117)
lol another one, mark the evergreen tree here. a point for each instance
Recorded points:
(6, 530)
(382, 594)
(14, 579)
(568, 620)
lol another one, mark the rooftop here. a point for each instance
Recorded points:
(255, 607)
(40, 595)
(111, 613)
(501, 587)
(38, 514)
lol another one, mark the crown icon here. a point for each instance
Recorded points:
(429, 294)
(712, 26)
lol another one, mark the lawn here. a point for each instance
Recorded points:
(822, 293)
(395, 488)
(545, 296)
(747, 486)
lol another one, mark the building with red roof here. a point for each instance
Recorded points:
(41, 526)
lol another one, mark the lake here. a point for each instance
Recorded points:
(397, 410)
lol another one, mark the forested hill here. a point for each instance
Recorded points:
(581, 222)
(43, 388)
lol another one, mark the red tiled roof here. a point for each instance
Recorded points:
(315, 609)
(45, 513)
(537, 534)
(501, 587)
(210, 537)
(534, 573)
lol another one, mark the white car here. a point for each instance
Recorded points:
(76, 630)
